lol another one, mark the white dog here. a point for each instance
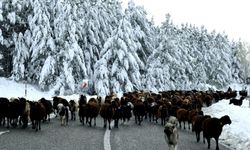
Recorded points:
(63, 113)
(171, 133)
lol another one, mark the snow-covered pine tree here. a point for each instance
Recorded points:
(215, 60)
(40, 44)
(101, 18)
(70, 67)
(13, 20)
(223, 68)
(144, 30)
(118, 70)
(236, 65)
(241, 63)
(192, 56)
(164, 67)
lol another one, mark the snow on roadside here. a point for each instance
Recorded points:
(9, 88)
(2, 132)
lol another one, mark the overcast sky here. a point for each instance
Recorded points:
(231, 16)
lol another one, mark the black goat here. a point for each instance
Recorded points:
(237, 102)
(243, 93)
(212, 128)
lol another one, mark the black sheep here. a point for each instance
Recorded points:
(48, 106)
(4, 103)
(243, 93)
(237, 102)
(37, 114)
(212, 128)
(197, 124)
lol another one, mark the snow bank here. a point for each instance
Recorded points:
(236, 135)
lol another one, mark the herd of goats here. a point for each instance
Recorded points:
(185, 106)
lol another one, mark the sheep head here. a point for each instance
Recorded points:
(225, 120)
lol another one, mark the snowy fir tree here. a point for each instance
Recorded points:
(241, 61)
(13, 20)
(162, 63)
(100, 21)
(119, 67)
(144, 30)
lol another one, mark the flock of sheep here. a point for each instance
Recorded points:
(171, 107)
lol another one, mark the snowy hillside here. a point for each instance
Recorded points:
(236, 135)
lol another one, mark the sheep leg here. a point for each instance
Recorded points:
(180, 123)
(39, 124)
(217, 143)
(149, 116)
(87, 120)
(109, 121)
(175, 147)
(61, 119)
(90, 122)
(71, 115)
(116, 123)
(33, 124)
(139, 119)
(36, 124)
(198, 136)
(204, 138)
(156, 119)
(49, 117)
(67, 118)
(82, 120)
(105, 123)
(208, 143)
(164, 121)
(8, 123)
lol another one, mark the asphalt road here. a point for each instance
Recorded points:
(75, 136)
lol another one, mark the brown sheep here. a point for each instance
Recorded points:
(37, 113)
(107, 112)
(191, 114)
(197, 124)
(212, 128)
(139, 111)
(92, 111)
(182, 116)
(163, 113)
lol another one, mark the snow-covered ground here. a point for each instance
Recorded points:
(9, 88)
(236, 135)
